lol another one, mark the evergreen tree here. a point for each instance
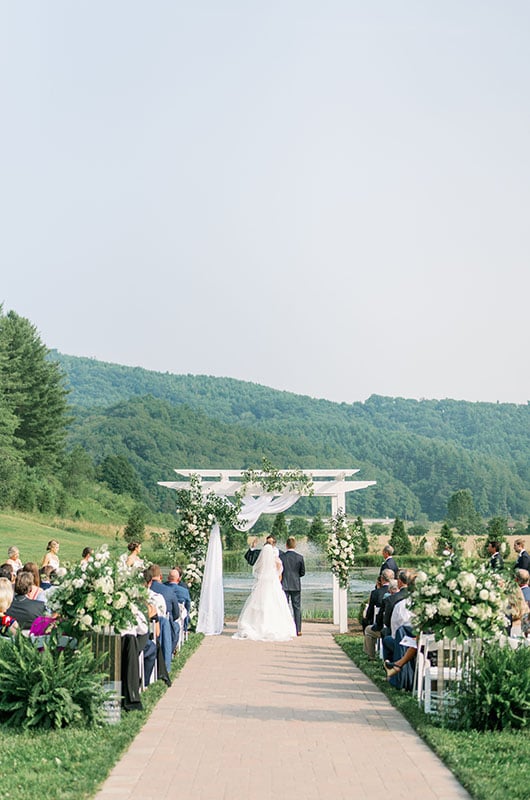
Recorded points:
(279, 528)
(360, 537)
(299, 527)
(447, 537)
(33, 391)
(119, 475)
(399, 539)
(461, 513)
(135, 529)
(318, 532)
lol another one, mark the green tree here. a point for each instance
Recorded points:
(461, 513)
(135, 529)
(360, 537)
(33, 391)
(279, 528)
(446, 537)
(418, 530)
(299, 527)
(119, 475)
(318, 532)
(78, 469)
(399, 539)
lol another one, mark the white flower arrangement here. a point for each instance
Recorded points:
(98, 594)
(468, 601)
(340, 548)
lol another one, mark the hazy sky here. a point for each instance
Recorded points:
(331, 198)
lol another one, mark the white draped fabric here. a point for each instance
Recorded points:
(211, 603)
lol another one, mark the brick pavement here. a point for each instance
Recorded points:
(271, 721)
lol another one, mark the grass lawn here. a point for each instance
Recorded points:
(71, 764)
(490, 765)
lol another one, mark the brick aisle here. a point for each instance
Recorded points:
(276, 721)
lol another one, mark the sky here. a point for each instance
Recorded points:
(327, 198)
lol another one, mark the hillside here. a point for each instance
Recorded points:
(418, 451)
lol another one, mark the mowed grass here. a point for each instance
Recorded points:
(71, 764)
(491, 765)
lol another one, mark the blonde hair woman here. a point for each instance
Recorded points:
(7, 624)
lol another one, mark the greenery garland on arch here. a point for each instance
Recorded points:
(198, 511)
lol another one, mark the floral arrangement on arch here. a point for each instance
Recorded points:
(340, 548)
(460, 601)
(198, 510)
(98, 594)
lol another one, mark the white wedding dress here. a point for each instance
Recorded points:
(266, 616)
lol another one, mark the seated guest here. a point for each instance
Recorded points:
(45, 575)
(6, 571)
(397, 613)
(13, 558)
(169, 624)
(374, 632)
(522, 576)
(400, 673)
(376, 596)
(35, 593)
(8, 624)
(22, 608)
(181, 591)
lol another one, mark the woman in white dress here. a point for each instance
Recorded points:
(266, 616)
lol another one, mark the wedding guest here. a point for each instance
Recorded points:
(36, 592)
(6, 571)
(373, 633)
(13, 559)
(132, 559)
(522, 576)
(181, 591)
(8, 624)
(397, 613)
(22, 608)
(51, 557)
(86, 554)
(496, 563)
(523, 559)
(376, 597)
(169, 634)
(46, 577)
(389, 562)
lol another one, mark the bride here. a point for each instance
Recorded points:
(266, 616)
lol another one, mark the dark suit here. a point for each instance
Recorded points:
(25, 610)
(293, 570)
(523, 561)
(252, 555)
(375, 601)
(182, 593)
(168, 643)
(389, 563)
(496, 562)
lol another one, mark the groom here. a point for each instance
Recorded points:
(293, 570)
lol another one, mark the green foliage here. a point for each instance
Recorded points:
(134, 531)
(299, 527)
(119, 475)
(279, 528)
(496, 695)
(51, 688)
(318, 533)
(446, 537)
(399, 539)
(417, 530)
(461, 513)
(360, 537)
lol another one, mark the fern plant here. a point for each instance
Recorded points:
(496, 695)
(49, 688)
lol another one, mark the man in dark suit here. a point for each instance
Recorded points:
(293, 570)
(22, 608)
(523, 559)
(376, 597)
(389, 563)
(496, 562)
(182, 593)
(252, 554)
(172, 605)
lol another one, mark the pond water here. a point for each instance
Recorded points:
(317, 589)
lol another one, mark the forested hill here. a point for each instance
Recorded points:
(418, 451)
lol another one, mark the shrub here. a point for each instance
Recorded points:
(496, 695)
(49, 688)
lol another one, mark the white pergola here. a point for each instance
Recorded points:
(333, 483)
